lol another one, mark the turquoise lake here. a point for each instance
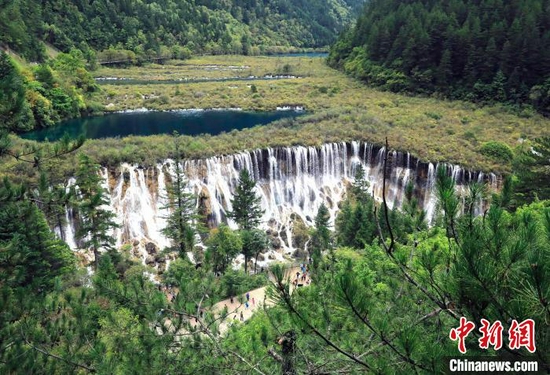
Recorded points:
(188, 122)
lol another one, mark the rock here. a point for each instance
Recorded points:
(151, 248)
(159, 258)
(261, 257)
(110, 106)
(271, 257)
(161, 268)
(150, 260)
(299, 253)
(276, 243)
(283, 234)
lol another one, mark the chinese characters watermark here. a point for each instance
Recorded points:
(520, 335)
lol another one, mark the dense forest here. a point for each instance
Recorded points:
(483, 51)
(150, 29)
(42, 95)
(134, 32)
(384, 288)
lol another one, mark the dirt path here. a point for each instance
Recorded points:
(257, 299)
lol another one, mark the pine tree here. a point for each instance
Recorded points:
(180, 223)
(53, 201)
(344, 228)
(321, 239)
(96, 221)
(360, 186)
(15, 112)
(444, 71)
(498, 87)
(246, 213)
(363, 225)
(30, 254)
(246, 204)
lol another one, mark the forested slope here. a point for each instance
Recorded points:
(155, 27)
(479, 50)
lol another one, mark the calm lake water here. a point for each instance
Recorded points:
(153, 122)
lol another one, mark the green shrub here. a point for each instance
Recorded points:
(498, 151)
(435, 116)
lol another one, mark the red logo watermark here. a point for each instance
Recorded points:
(519, 335)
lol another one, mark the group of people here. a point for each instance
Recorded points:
(250, 301)
(247, 302)
(302, 277)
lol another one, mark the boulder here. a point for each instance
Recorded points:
(300, 253)
(276, 243)
(161, 268)
(151, 248)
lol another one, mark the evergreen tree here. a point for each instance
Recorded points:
(97, 222)
(30, 254)
(53, 201)
(344, 228)
(360, 186)
(444, 71)
(455, 48)
(363, 225)
(498, 86)
(246, 211)
(321, 238)
(247, 214)
(15, 112)
(180, 223)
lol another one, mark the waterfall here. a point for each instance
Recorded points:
(292, 183)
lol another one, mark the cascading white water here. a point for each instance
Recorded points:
(292, 182)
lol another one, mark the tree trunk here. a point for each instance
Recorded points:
(256, 262)
(96, 258)
(288, 343)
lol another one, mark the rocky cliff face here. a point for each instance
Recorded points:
(291, 181)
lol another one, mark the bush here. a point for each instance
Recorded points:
(498, 151)
(435, 116)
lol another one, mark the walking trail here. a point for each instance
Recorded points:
(257, 299)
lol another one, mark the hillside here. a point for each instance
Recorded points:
(482, 51)
(153, 28)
